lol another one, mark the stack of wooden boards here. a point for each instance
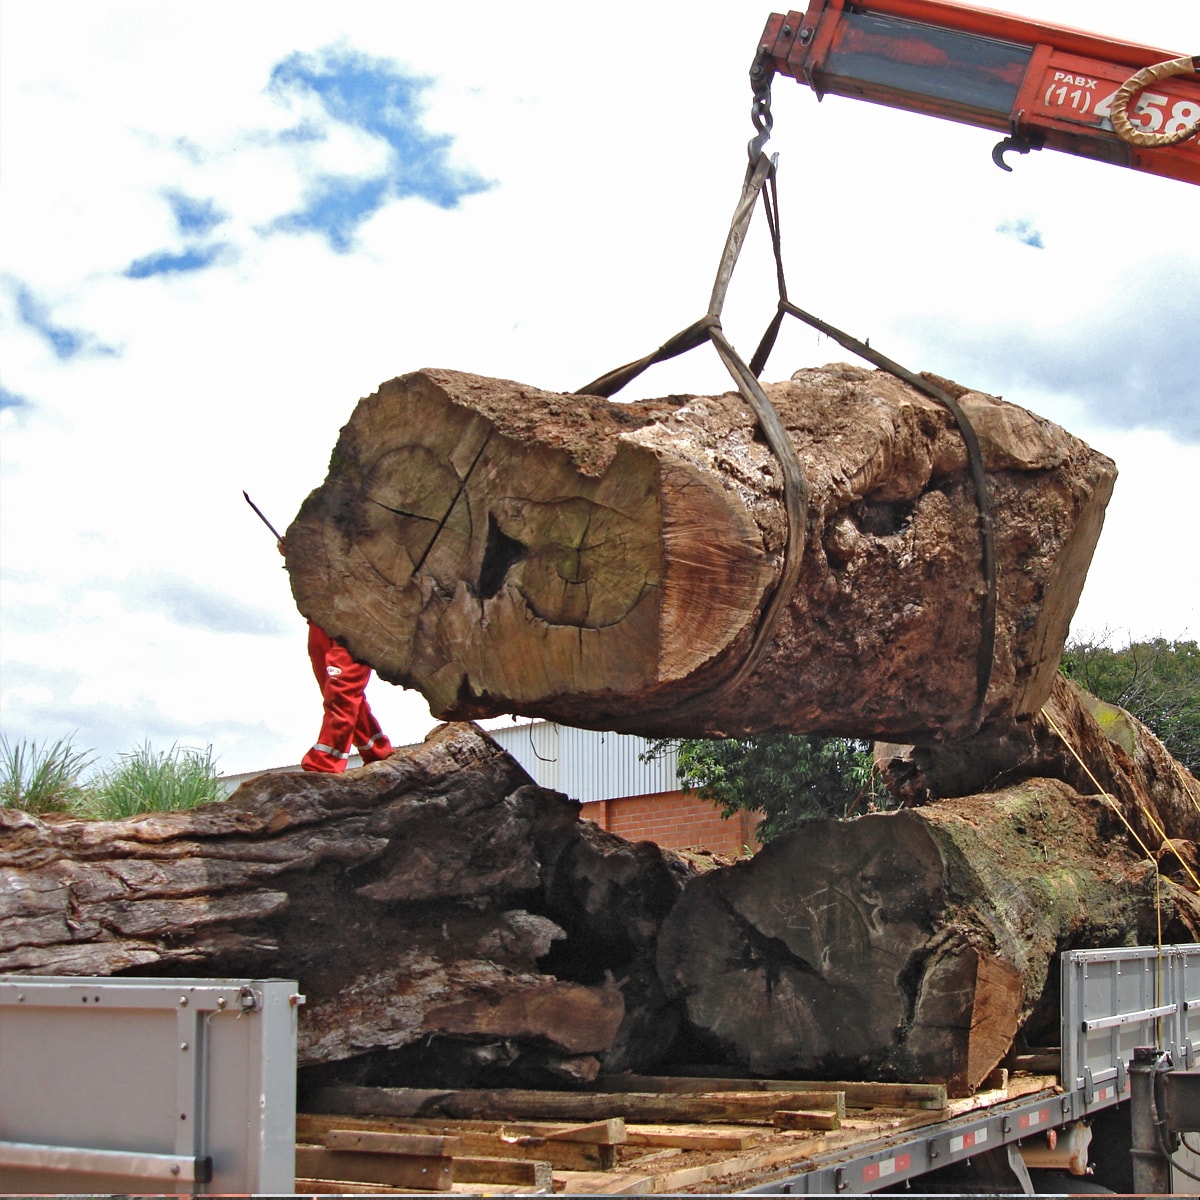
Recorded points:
(640, 1135)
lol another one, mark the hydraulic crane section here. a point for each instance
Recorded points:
(1043, 85)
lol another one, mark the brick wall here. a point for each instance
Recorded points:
(674, 820)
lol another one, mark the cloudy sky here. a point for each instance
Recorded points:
(223, 224)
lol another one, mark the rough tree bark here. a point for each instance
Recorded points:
(504, 549)
(437, 905)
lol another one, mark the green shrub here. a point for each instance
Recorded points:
(39, 778)
(148, 780)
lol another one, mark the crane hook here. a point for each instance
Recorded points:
(1016, 145)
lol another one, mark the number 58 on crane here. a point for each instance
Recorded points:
(1042, 85)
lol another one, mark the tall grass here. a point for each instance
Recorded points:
(147, 780)
(38, 778)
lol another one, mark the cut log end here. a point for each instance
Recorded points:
(508, 550)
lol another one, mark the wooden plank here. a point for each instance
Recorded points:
(607, 1183)
(426, 1145)
(858, 1094)
(803, 1118)
(487, 1139)
(527, 1172)
(425, 1172)
(609, 1132)
(344, 1187)
(693, 1137)
(521, 1104)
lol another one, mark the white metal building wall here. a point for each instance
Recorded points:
(586, 764)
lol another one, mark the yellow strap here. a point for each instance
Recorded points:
(1115, 807)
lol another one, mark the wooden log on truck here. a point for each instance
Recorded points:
(422, 903)
(504, 549)
(909, 945)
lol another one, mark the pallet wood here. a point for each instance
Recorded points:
(661, 1158)
(811, 1118)
(536, 1174)
(857, 1095)
(490, 1139)
(376, 1142)
(427, 1172)
(736, 1107)
(693, 1137)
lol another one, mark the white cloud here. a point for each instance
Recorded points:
(616, 144)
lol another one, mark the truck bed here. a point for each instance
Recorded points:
(870, 1146)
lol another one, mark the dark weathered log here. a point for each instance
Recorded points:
(909, 945)
(422, 903)
(505, 549)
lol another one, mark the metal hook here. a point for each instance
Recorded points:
(1016, 145)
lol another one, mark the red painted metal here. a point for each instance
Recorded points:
(1045, 85)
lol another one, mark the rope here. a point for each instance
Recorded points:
(1125, 129)
(1110, 800)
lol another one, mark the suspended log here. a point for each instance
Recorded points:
(908, 945)
(438, 909)
(504, 549)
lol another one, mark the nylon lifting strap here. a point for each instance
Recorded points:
(761, 172)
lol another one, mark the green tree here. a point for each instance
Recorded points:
(1157, 681)
(784, 778)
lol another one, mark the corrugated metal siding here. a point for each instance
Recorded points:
(585, 764)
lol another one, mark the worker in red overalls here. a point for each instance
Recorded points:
(348, 717)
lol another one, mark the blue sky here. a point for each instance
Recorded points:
(221, 226)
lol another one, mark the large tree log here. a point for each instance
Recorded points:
(437, 905)
(504, 549)
(909, 945)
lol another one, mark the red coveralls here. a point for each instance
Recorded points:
(348, 717)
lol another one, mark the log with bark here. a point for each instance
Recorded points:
(454, 925)
(504, 549)
(918, 943)
(908, 945)
(441, 912)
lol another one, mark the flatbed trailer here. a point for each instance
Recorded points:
(1130, 1022)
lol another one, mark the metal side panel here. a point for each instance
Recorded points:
(1186, 976)
(175, 1085)
(1112, 1002)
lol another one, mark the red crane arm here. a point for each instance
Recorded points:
(1044, 85)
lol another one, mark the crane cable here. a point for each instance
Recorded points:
(761, 172)
(1119, 114)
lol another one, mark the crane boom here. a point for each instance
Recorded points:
(1043, 85)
